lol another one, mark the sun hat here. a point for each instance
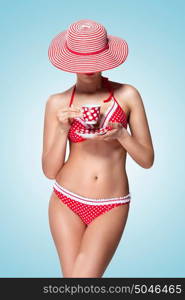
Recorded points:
(86, 47)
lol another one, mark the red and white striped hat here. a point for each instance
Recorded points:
(86, 47)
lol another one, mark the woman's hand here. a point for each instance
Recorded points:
(64, 115)
(116, 132)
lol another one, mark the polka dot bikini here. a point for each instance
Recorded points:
(88, 208)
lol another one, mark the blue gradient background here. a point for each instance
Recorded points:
(153, 241)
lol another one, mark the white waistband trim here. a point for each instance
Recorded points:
(91, 201)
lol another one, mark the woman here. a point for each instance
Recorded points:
(89, 205)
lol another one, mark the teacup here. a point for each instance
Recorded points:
(91, 113)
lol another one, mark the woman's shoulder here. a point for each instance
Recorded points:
(124, 87)
(60, 99)
(126, 91)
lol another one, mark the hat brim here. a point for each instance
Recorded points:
(110, 58)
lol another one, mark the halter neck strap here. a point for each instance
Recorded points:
(72, 96)
(108, 85)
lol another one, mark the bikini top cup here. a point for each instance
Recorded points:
(114, 113)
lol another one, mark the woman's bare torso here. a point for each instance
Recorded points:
(96, 169)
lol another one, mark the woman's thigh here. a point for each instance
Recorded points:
(100, 242)
(67, 230)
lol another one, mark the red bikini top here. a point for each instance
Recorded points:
(114, 113)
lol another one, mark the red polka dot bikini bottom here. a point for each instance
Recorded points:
(88, 208)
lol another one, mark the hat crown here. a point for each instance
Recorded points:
(86, 36)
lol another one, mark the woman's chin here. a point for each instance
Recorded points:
(89, 75)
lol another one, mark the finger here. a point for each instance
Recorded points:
(102, 133)
(114, 124)
(63, 119)
(105, 132)
(64, 111)
(63, 115)
(66, 115)
(74, 109)
(70, 108)
(110, 133)
(72, 114)
(78, 108)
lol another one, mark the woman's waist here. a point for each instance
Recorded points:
(95, 180)
(90, 168)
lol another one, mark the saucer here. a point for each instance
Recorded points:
(89, 133)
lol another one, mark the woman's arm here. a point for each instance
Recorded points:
(54, 140)
(139, 143)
